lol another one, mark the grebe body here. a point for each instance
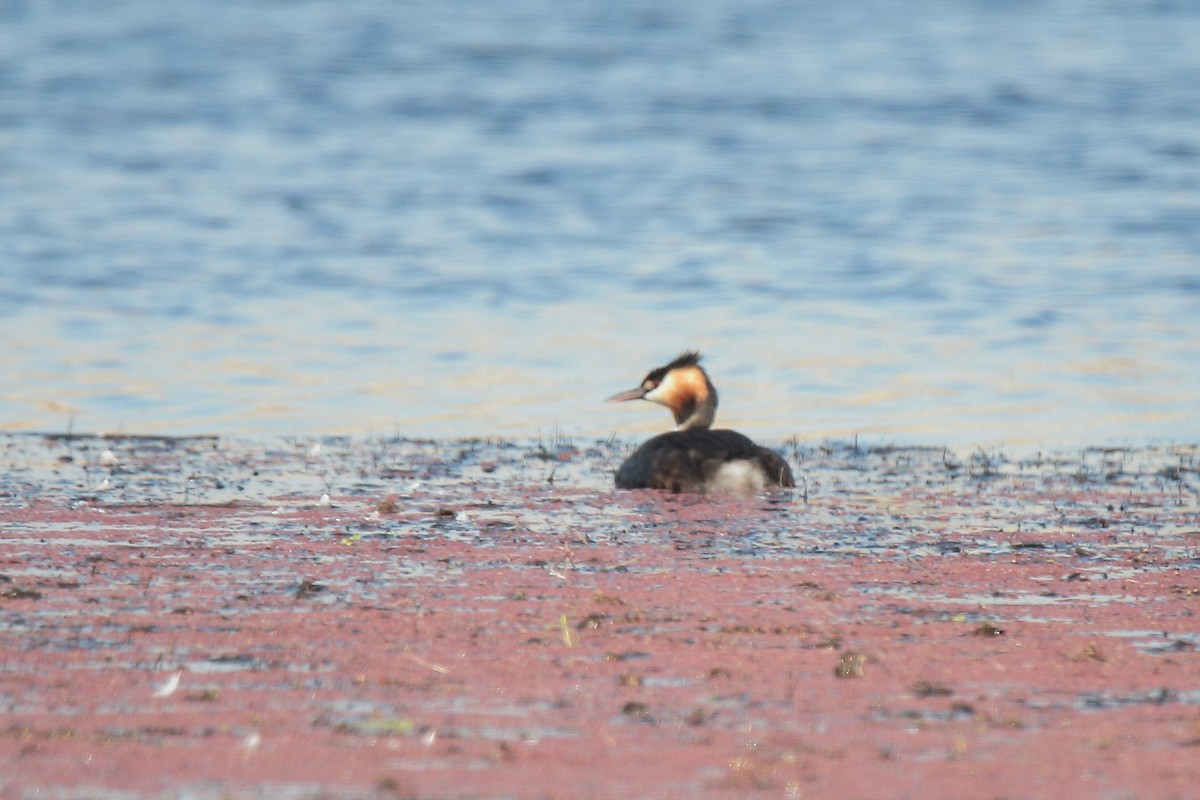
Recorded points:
(695, 458)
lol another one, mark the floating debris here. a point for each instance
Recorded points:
(851, 665)
(988, 629)
(168, 687)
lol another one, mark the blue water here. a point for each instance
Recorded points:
(970, 223)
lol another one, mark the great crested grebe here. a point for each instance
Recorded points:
(693, 458)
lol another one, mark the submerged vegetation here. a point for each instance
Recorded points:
(475, 605)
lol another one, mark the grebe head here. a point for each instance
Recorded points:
(682, 386)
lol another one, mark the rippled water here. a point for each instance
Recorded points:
(918, 222)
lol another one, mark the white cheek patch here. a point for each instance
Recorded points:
(667, 391)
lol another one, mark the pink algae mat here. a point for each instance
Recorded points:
(405, 619)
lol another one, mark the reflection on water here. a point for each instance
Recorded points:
(481, 220)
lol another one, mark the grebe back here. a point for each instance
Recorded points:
(694, 458)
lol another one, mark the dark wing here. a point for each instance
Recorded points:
(682, 461)
(776, 469)
(661, 464)
(723, 445)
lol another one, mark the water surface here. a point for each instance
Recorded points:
(908, 222)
